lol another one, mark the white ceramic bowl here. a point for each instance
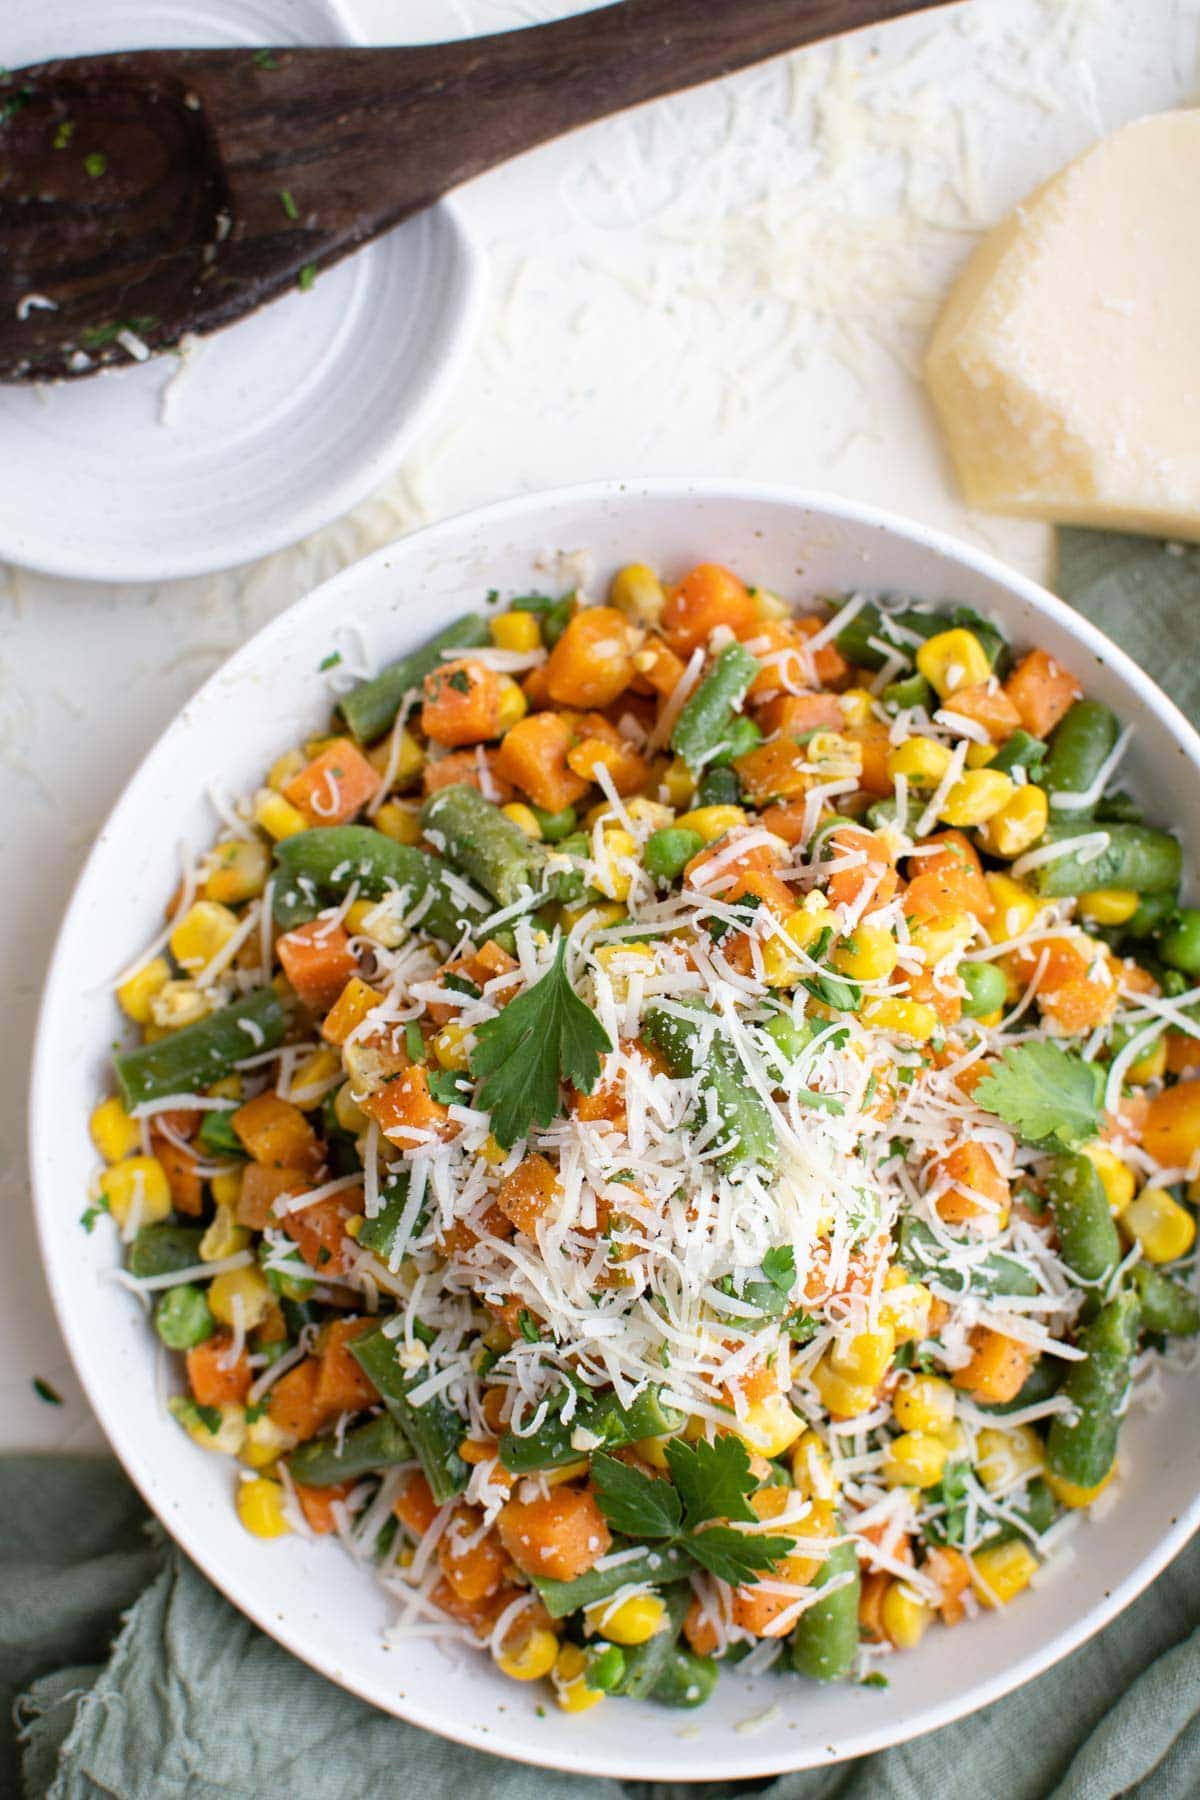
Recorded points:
(307, 1594)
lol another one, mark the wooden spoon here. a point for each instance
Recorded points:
(160, 192)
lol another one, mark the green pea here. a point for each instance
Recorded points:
(1153, 913)
(1180, 942)
(605, 1667)
(555, 826)
(744, 736)
(912, 690)
(686, 1680)
(986, 989)
(668, 852)
(182, 1318)
(719, 787)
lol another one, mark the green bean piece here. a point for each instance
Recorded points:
(1081, 1445)
(486, 845)
(885, 812)
(433, 1429)
(1180, 941)
(554, 826)
(190, 1060)
(1036, 1516)
(1087, 1237)
(645, 1663)
(318, 868)
(182, 1318)
(744, 736)
(704, 725)
(1134, 857)
(668, 852)
(996, 1274)
(718, 787)
(1020, 751)
(164, 1250)
(217, 1136)
(661, 1566)
(378, 1235)
(321, 1462)
(603, 1419)
(824, 1643)
(790, 1036)
(854, 639)
(1043, 1380)
(555, 619)
(986, 989)
(1121, 808)
(686, 1679)
(1167, 1305)
(1153, 913)
(747, 1127)
(912, 690)
(1080, 745)
(605, 1667)
(371, 709)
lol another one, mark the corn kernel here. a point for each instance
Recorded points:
(179, 1003)
(954, 1436)
(905, 1306)
(770, 1426)
(611, 879)
(534, 1655)
(832, 756)
(248, 1285)
(571, 1689)
(712, 822)
(399, 820)
(1069, 1493)
(844, 1398)
(227, 1189)
(1151, 1065)
(904, 1616)
(952, 660)
(452, 1046)
(277, 816)
(980, 755)
(653, 1450)
(284, 767)
(1116, 1178)
(266, 1442)
(976, 797)
(517, 631)
(636, 591)
(141, 1182)
(260, 1507)
(921, 760)
(634, 1621)
(1019, 823)
(524, 817)
(513, 704)
(812, 1468)
(870, 955)
(999, 1572)
(621, 962)
(135, 994)
(1108, 906)
(398, 758)
(114, 1133)
(1016, 908)
(651, 813)
(857, 705)
(942, 937)
(201, 934)
(1164, 1229)
(924, 1403)
(572, 1471)
(679, 784)
(914, 1459)
(867, 1357)
(224, 1236)
(239, 868)
(492, 1152)
(1005, 1458)
(908, 1018)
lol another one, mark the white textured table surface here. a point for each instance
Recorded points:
(735, 282)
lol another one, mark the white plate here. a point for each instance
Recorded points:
(306, 1593)
(283, 421)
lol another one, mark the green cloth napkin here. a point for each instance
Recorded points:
(194, 1703)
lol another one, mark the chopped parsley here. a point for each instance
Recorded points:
(95, 163)
(288, 204)
(306, 277)
(45, 1392)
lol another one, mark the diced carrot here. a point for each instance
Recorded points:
(923, 985)
(699, 1629)
(792, 714)
(356, 1000)
(1075, 988)
(292, 1401)
(622, 762)
(867, 865)
(787, 821)
(320, 1230)
(1183, 1053)
(949, 1570)
(1171, 1133)
(333, 786)
(1042, 691)
(829, 665)
(472, 1560)
(462, 703)
(316, 1503)
(277, 1134)
(874, 741)
(776, 770)
(405, 1110)
(592, 661)
(528, 1192)
(415, 1506)
(179, 1167)
(533, 756)
(658, 665)
(988, 705)
(260, 1189)
(763, 885)
(562, 1534)
(787, 663)
(341, 1385)
(998, 1367)
(870, 1606)
(458, 1238)
(212, 1384)
(889, 1536)
(757, 856)
(463, 766)
(948, 879)
(317, 961)
(708, 596)
(183, 1121)
(481, 1615)
(535, 690)
(978, 1192)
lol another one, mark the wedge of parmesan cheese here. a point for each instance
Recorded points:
(1065, 366)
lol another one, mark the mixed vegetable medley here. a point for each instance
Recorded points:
(672, 1129)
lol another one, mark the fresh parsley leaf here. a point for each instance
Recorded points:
(444, 1086)
(1045, 1093)
(414, 1041)
(306, 277)
(843, 996)
(528, 1324)
(545, 1035)
(950, 1492)
(461, 984)
(331, 661)
(802, 1328)
(779, 1267)
(823, 1102)
(288, 203)
(255, 1411)
(736, 1557)
(712, 1479)
(636, 1505)
(876, 1679)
